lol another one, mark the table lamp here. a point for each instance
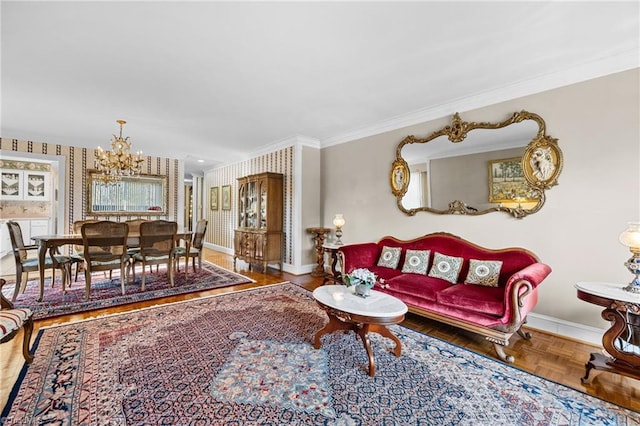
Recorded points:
(630, 237)
(338, 222)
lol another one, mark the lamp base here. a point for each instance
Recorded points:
(634, 286)
(633, 265)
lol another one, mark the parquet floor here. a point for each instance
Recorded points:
(553, 357)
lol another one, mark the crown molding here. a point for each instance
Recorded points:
(610, 65)
(296, 140)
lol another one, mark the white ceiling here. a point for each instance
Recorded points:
(221, 81)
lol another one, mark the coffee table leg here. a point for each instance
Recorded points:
(385, 332)
(363, 332)
(334, 324)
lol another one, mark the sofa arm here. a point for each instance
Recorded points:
(354, 256)
(520, 293)
(533, 274)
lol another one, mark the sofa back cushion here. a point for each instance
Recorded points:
(513, 259)
(389, 257)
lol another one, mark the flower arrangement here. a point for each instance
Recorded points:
(360, 276)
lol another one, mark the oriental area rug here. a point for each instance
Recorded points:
(247, 358)
(107, 293)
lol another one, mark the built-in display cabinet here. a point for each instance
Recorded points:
(24, 185)
(259, 237)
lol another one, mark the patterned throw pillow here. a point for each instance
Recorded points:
(484, 272)
(446, 267)
(416, 261)
(390, 257)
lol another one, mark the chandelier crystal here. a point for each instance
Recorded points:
(119, 162)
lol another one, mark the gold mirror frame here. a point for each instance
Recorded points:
(151, 191)
(541, 165)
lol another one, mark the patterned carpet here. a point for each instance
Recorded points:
(107, 293)
(246, 358)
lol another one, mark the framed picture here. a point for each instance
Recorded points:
(12, 184)
(507, 182)
(542, 162)
(226, 197)
(213, 197)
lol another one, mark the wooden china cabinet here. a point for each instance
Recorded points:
(259, 237)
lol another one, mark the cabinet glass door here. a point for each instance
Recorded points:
(242, 208)
(252, 205)
(263, 204)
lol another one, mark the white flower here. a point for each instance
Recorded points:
(360, 276)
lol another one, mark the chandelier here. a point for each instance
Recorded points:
(119, 162)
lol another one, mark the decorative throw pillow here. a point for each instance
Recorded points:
(390, 257)
(416, 261)
(484, 272)
(446, 267)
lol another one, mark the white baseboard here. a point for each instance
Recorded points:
(581, 332)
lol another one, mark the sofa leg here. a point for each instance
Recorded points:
(502, 355)
(524, 334)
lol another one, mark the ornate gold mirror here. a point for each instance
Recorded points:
(504, 166)
(136, 195)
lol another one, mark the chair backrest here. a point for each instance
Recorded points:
(17, 242)
(198, 237)
(77, 229)
(157, 237)
(134, 225)
(109, 237)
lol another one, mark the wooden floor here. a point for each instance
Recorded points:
(552, 357)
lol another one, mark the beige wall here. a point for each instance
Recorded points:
(576, 232)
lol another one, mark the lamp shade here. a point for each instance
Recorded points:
(338, 221)
(630, 237)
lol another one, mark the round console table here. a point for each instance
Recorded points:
(622, 339)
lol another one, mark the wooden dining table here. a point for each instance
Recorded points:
(50, 242)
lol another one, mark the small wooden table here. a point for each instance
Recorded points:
(622, 340)
(347, 311)
(335, 276)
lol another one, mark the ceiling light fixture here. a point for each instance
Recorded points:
(118, 163)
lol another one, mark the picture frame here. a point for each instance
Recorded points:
(226, 197)
(213, 198)
(507, 183)
(542, 163)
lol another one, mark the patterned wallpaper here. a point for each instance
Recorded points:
(79, 159)
(222, 223)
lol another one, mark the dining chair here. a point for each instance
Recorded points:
(104, 249)
(134, 229)
(195, 248)
(77, 257)
(26, 264)
(157, 247)
(12, 319)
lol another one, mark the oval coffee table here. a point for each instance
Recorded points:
(347, 311)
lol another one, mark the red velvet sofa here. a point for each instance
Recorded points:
(495, 312)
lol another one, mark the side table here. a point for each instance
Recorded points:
(622, 340)
(335, 276)
(318, 239)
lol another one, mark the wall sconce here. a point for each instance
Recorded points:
(338, 222)
(630, 237)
